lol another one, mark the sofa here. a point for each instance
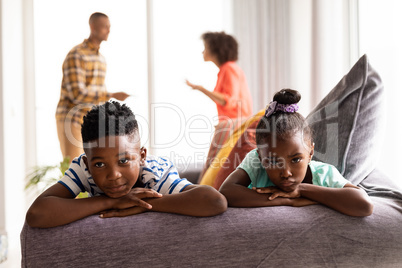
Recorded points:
(347, 127)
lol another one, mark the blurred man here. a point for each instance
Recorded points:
(83, 86)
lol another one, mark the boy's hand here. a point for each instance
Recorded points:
(134, 199)
(122, 212)
(276, 192)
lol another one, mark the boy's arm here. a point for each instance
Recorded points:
(350, 200)
(234, 188)
(57, 206)
(194, 200)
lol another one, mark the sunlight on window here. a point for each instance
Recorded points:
(184, 127)
(66, 26)
(183, 119)
(380, 27)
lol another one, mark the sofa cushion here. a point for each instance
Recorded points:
(232, 152)
(244, 144)
(223, 130)
(347, 123)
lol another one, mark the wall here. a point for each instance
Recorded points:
(380, 39)
(14, 111)
(2, 175)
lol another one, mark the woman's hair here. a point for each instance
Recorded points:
(281, 119)
(222, 45)
(109, 119)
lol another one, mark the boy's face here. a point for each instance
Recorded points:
(114, 163)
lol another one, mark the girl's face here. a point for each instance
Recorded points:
(208, 56)
(286, 162)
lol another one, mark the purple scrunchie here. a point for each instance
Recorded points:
(275, 106)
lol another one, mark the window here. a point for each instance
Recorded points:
(184, 118)
(58, 31)
(177, 26)
(379, 24)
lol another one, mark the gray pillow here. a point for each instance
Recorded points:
(348, 121)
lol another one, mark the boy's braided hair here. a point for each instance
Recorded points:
(108, 119)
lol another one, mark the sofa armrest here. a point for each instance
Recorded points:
(311, 236)
(190, 171)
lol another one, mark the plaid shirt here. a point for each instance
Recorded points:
(84, 70)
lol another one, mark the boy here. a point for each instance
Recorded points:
(119, 177)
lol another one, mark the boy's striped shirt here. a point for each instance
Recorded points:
(158, 174)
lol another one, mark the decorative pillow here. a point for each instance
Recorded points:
(244, 144)
(232, 152)
(222, 132)
(347, 123)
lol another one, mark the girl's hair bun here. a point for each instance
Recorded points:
(287, 96)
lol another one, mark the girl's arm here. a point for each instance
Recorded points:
(57, 206)
(350, 200)
(234, 188)
(194, 200)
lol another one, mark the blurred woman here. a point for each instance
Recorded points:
(231, 94)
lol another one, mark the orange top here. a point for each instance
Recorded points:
(233, 85)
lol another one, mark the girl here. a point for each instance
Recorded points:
(280, 171)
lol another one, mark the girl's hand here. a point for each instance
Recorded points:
(122, 212)
(301, 202)
(193, 86)
(134, 199)
(275, 192)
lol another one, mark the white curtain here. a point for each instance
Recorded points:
(306, 45)
(260, 26)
